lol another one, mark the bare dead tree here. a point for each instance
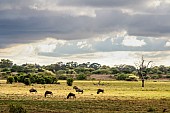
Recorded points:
(142, 71)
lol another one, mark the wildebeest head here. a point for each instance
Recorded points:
(48, 92)
(100, 90)
(71, 95)
(79, 90)
(75, 87)
(32, 90)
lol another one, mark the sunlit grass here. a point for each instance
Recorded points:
(119, 96)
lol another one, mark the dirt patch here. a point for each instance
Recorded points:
(101, 77)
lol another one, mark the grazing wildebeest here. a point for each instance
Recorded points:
(71, 95)
(75, 87)
(100, 90)
(33, 90)
(79, 90)
(48, 93)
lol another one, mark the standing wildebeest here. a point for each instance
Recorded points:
(100, 90)
(79, 90)
(33, 90)
(48, 93)
(71, 95)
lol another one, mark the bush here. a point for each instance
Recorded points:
(101, 71)
(132, 78)
(10, 79)
(168, 76)
(151, 109)
(5, 70)
(160, 76)
(40, 80)
(155, 77)
(16, 109)
(146, 77)
(93, 78)
(48, 80)
(16, 78)
(33, 78)
(54, 80)
(114, 70)
(27, 81)
(70, 81)
(62, 77)
(4, 75)
(81, 77)
(159, 72)
(122, 76)
(21, 78)
(59, 72)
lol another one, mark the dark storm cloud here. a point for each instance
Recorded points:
(31, 24)
(149, 25)
(103, 3)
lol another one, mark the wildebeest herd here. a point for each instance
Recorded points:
(69, 95)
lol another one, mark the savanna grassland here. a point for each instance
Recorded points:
(119, 97)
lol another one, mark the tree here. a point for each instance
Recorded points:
(128, 69)
(6, 63)
(10, 79)
(142, 70)
(114, 70)
(95, 66)
(16, 78)
(163, 69)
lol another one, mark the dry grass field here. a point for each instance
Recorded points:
(119, 97)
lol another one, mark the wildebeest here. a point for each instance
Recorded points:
(100, 90)
(79, 90)
(48, 93)
(33, 90)
(75, 87)
(71, 95)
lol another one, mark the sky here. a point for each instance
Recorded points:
(109, 32)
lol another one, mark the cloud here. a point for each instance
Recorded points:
(48, 45)
(84, 44)
(167, 44)
(50, 28)
(51, 50)
(132, 41)
(24, 22)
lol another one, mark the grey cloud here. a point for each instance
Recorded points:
(77, 3)
(40, 24)
(149, 25)
(102, 3)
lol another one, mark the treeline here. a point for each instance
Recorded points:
(49, 74)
